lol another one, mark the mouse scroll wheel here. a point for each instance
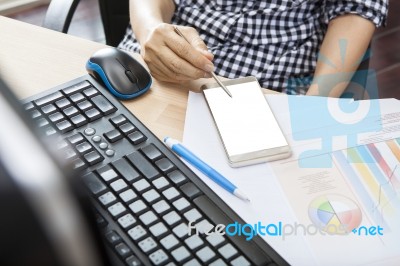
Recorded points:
(131, 76)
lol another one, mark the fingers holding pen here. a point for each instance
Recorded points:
(171, 57)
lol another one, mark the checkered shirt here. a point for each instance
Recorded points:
(275, 41)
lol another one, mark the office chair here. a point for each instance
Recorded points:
(114, 15)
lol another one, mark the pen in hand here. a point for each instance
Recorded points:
(212, 73)
(211, 173)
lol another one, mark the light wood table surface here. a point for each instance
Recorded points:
(33, 59)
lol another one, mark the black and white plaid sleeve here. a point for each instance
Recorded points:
(275, 41)
(373, 10)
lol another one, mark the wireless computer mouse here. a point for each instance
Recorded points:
(125, 77)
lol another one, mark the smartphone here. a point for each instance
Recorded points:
(245, 122)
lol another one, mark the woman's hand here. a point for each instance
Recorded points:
(171, 58)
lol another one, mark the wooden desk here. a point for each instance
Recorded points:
(33, 59)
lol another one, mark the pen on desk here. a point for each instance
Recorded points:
(212, 73)
(210, 172)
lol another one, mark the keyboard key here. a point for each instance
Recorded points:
(116, 209)
(172, 218)
(100, 220)
(204, 226)
(76, 139)
(35, 114)
(93, 114)
(161, 183)
(93, 183)
(126, 170)
(194, 242)
(132, 261)
(148, 218)
(227, 251)
(64, 126)
(89, 131)
(215, 239)
(136, 137)
(190, 190)
(47, 109)
(158, 229)
(113, 136)
(127, 221)
(181, 230)
(141, 185)
(171, 193)
(118, 185)
(140, 162)
(29, 106)
(63, 103)
(192, 262)
(138, 206)
(240, 261)
(78, 164)
(77, 87)
(71, 111)
(107, 198)
(118, 120)
(122, 250)
(49, 131)
(41, 122)
(84, 147)
(113, 237)
(137, 232)
(107, 173)
(152, 153)
(49, 98)
(147, 245)
(177, 177)
(93, 157)
(79, 120)
(77, 97)
(161, 206)
(128, 195)
(169, 241)
(103, 105)
(218, 262)
(85, 105)
(180, 254)
(165, 165)
(181, 204)
(205, 254)
(193, 215)
(90, 92)
(151, 195)
(158, 257)
(56, 117)
(127, 128)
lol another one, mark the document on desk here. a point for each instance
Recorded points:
(356, 189)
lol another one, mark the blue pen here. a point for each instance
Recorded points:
(183, 152)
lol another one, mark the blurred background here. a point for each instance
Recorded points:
(87, 24)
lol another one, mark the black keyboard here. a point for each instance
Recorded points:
(143, 195)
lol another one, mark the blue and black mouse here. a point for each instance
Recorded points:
(125, 77)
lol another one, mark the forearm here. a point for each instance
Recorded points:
(342, 49)
(147, 14)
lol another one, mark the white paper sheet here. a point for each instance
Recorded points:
(269, 202)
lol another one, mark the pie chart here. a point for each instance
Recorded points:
(335, 214)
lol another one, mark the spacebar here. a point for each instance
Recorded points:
(216, 215)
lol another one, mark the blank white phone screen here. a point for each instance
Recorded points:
(246, 123)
